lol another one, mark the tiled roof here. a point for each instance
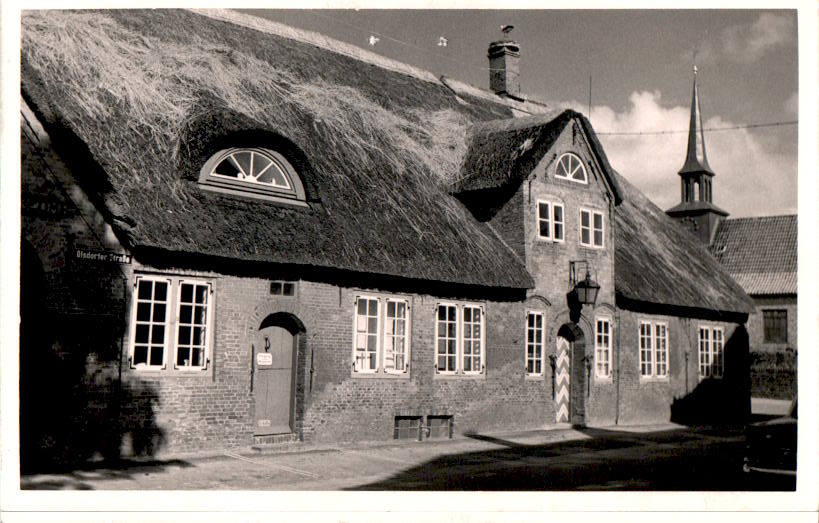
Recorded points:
(760, 253)
(767, 282)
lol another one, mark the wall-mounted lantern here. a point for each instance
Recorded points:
(586, 289)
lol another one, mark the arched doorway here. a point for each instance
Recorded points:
(274, 354)
(570, 375)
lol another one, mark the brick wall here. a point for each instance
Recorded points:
(72, 315)
(215, 408)
(682, 396)
(349, 406)
(548, 263)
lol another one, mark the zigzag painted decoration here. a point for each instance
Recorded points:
(562, 382)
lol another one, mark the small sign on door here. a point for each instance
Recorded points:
(264, 358)
(264, 422)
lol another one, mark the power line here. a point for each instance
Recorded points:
(731, 128)
(460, 62)
(382, 35)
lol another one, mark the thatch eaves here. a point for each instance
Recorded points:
(147, 93)
(659, 262)
(504, 152)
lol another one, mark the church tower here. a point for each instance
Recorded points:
(696, 209)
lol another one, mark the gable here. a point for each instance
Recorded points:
(506, 152)
(570, 167)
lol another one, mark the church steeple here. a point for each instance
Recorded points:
(695, 159)
(696, 208)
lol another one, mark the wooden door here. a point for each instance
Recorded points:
(562, 377)
(577, 394)
(274, 352)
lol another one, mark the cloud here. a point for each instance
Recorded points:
(753, 177)
(746, 43)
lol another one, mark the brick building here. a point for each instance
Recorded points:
(245, 233)
(760, 254)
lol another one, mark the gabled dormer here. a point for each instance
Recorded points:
(545, 187)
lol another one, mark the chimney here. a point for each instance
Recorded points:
(504, 71)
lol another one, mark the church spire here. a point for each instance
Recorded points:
(695, 158)
(696, 209)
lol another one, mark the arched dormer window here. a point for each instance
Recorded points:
(255, 172)
(570, 167)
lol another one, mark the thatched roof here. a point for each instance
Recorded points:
(659, 262)
(138, 100)
(147, 94)
(504, 152)
(760, 253)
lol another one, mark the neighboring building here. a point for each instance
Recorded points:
(759, 253)
(237, 232)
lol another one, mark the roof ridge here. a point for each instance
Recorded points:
(759, 218)
(268, 26)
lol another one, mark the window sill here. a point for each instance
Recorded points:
(608, 379)
(572, 180)
(461, 376)
(549, 241)
(171, 372)
(380, 375)
(654, 379)
(253, 193)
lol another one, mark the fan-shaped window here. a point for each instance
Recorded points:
(253, 172)
(570, 167)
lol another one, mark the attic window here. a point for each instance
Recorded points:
(254, 172)
(570, 167)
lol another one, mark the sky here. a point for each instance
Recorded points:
(640, 64)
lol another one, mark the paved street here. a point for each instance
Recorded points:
(644, 458)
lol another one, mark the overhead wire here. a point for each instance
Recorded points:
(602, 133)
(681, 131)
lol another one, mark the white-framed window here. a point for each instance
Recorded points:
(646, 350)
(592, 228)
(472, 335)
(252, 171)
(381, 335)
(570, 167)
(602, 348)
(158, 338)
(711, 345)
(396, 336)
(535, 343)
(653, 349)
(558, 222)
(459, 339)
(661, 349)
(551, 221)
(192, 331)
(365, 357)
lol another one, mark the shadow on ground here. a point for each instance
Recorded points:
(705, 459)
(80, 477)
